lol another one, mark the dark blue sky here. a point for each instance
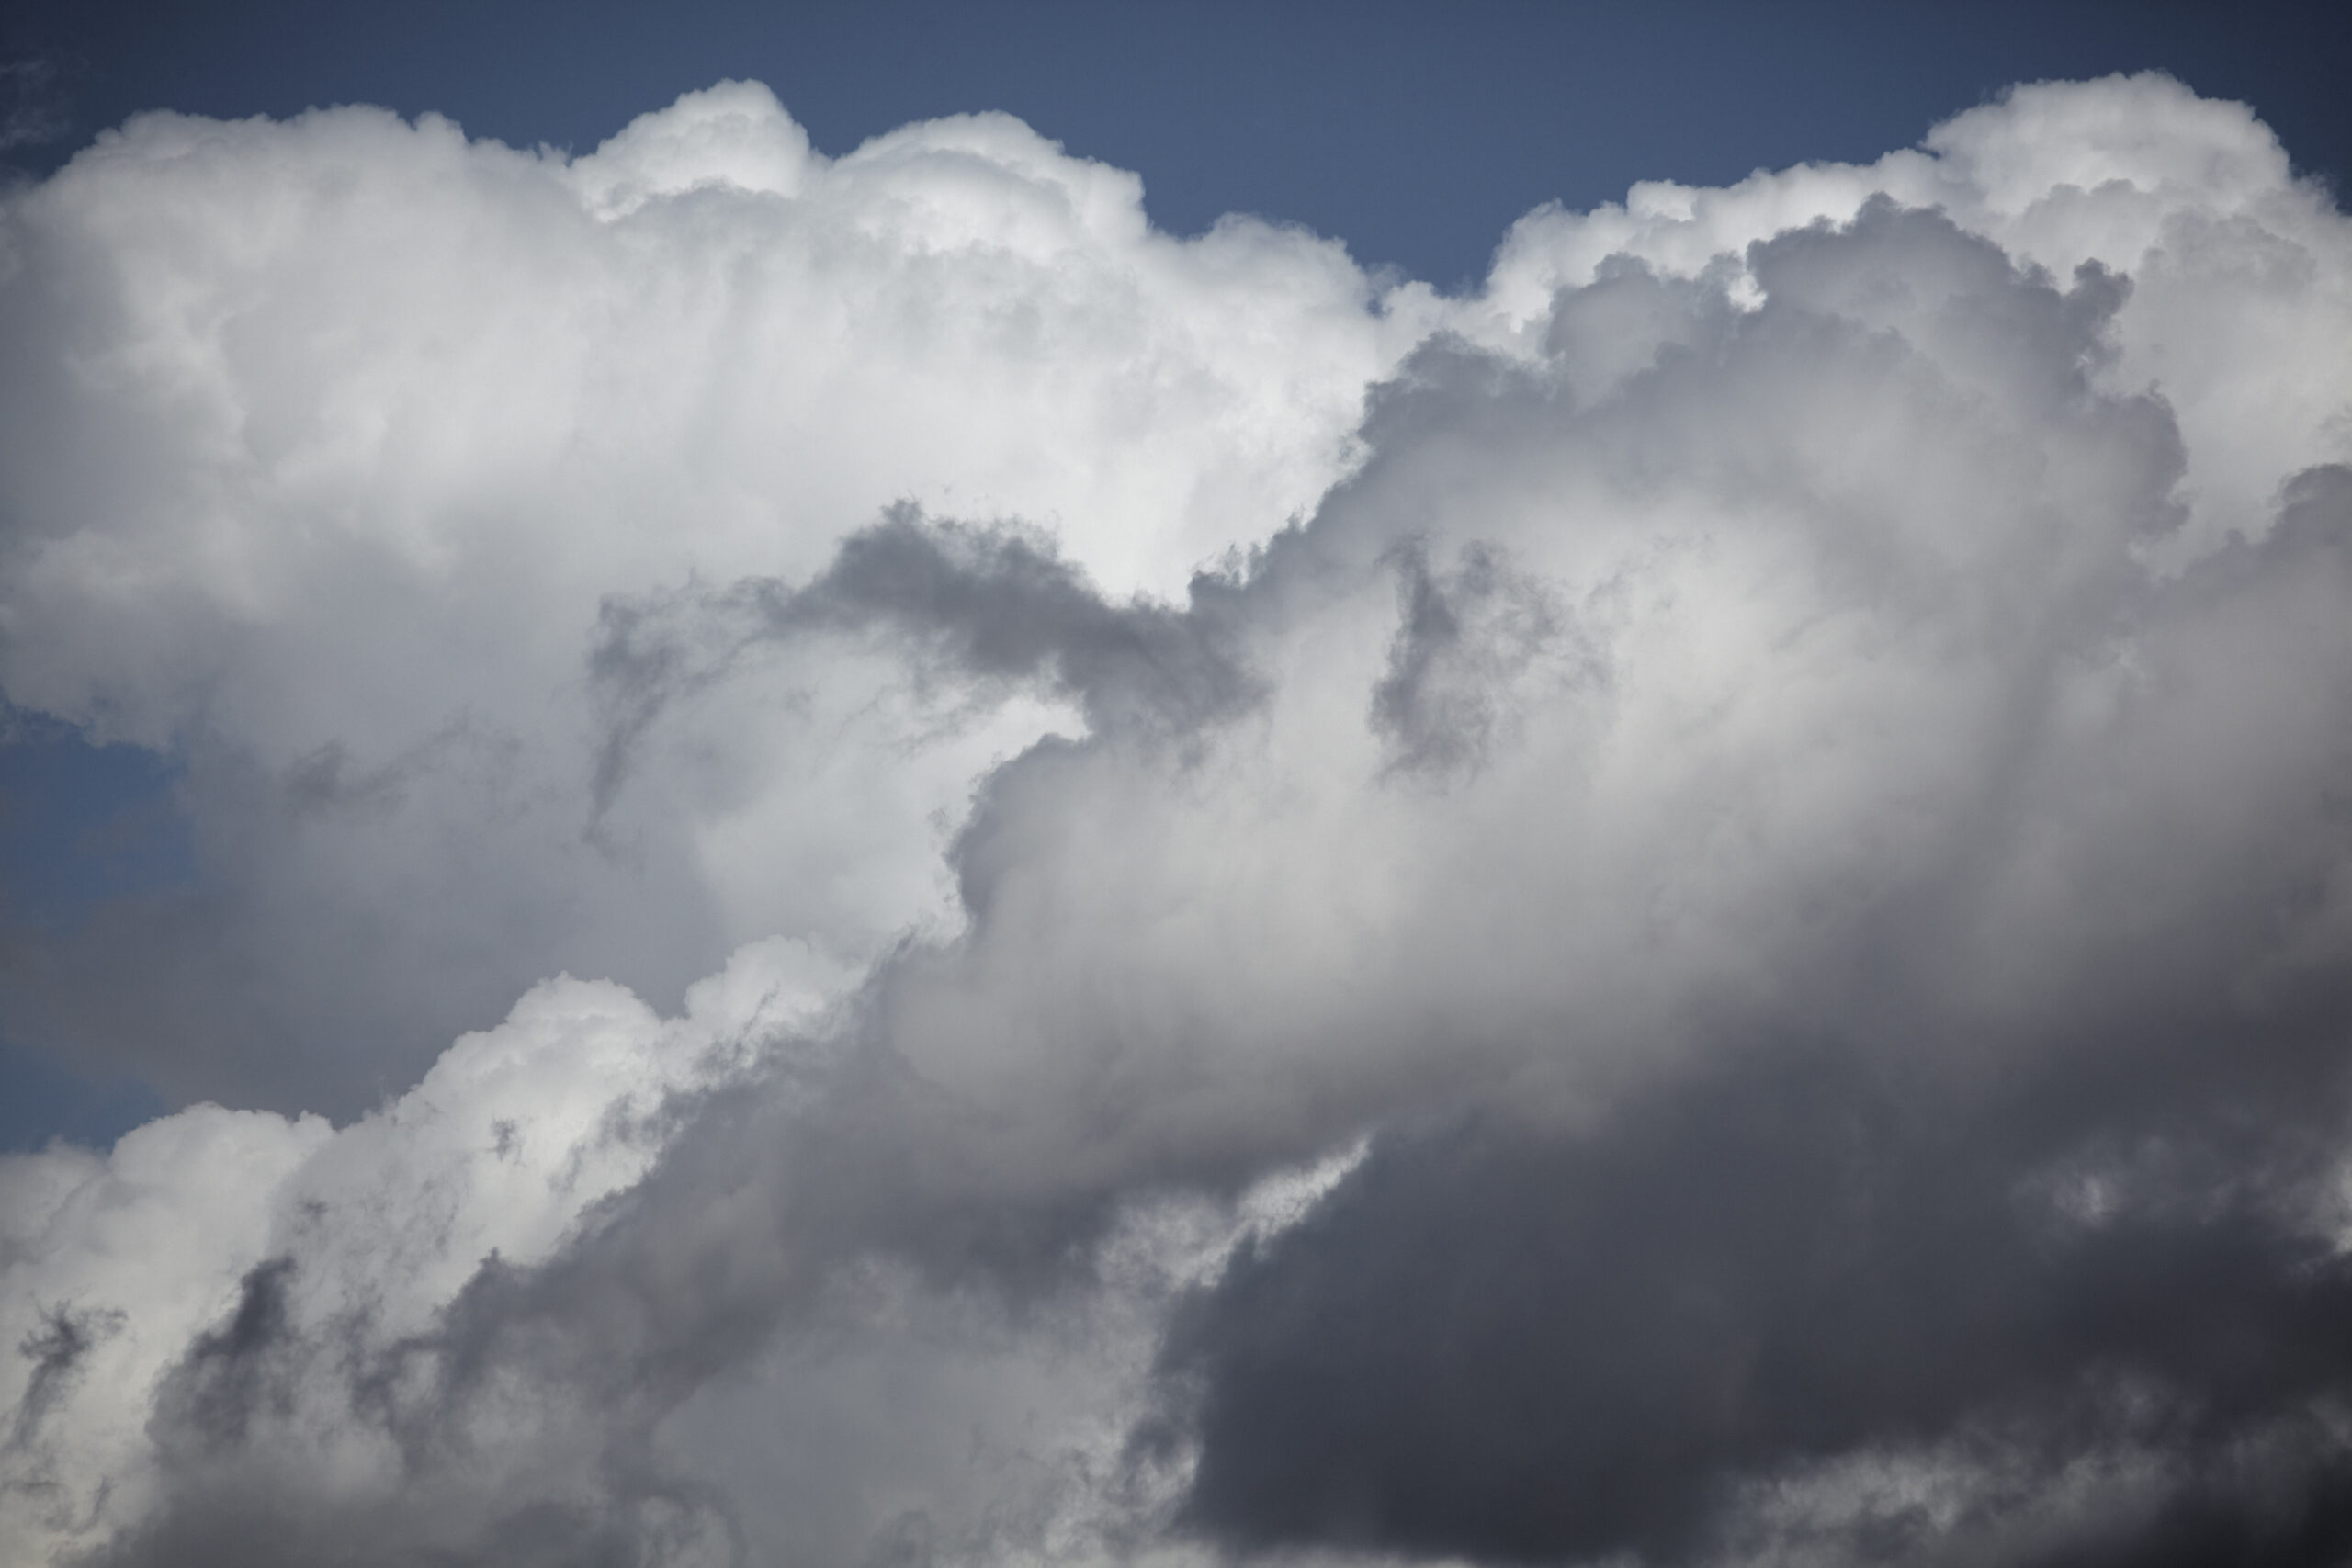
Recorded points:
(1414, 132)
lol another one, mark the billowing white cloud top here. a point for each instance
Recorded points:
(325, 441)
(1898, 616)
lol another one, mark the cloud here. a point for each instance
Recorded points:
(991, 606)
(329, 441)
(288, 1294)
(1694, 908)
(1524, 1350)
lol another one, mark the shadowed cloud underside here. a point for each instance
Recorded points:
(1694, 908)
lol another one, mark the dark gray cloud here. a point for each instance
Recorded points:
(57, 1350)
(216, 1394)
(1495, 1344)
(1790, 794)
(528, 1411)
(2095, 1228)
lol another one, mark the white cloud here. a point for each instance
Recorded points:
(326, 440)
(508, 1145)
(1779, 613)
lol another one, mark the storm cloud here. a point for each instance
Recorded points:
(1694, 908)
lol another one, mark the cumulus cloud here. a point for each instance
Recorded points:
(328, 442)
(1695, 909)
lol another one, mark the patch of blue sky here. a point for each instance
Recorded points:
(80, 825)
(1416, 132)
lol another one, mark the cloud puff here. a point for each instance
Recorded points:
(327, 441)
(1717, 931)
(218, 1240)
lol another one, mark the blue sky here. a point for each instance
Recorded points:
(1415, 132)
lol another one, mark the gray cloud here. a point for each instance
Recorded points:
(2089, 1229)
(64, 1338)
(396, 485)
(1514, 1346)
(1462, 638)
(961, 605)
(1733, 950)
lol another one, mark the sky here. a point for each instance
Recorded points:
(1177, 785)
(1413, 135)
